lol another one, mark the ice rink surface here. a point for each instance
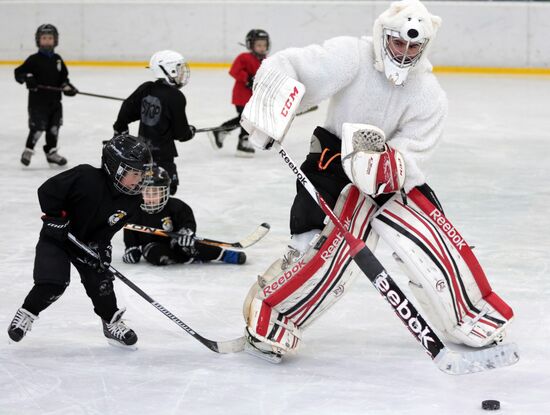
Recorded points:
(490, 171)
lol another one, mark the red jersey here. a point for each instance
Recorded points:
(244, 66)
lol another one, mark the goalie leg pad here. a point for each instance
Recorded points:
(444, 274)
(297, 296)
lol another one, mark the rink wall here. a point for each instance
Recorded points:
(490, 35)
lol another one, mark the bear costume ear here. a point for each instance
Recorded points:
(436, 22)
(397, 6)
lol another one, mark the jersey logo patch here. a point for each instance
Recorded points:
(116, 217)
(167, 224)
(150, 110)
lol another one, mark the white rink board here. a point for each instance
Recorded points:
(490, 172)
(474, 33)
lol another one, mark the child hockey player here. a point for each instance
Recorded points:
(160, 108)
(244, 70)
(93, 204)
(45, 68)
(159, 210)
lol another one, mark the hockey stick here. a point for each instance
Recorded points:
(251, 239)
(449, 361)
(54, 88)
(233, 127)
(229, 346)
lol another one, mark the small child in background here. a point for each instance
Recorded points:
(243, 69)
(46, 76)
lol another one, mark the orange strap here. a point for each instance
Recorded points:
(330, 160)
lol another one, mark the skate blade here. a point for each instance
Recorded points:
(119, 345)
(244, 155)
(269, 357)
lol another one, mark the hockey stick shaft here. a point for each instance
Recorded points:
(218, 347)
(251, 239)
(373, 269)
(54, 88)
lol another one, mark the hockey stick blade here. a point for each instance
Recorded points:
(450, 362)
(455, 362)
(250, 240)
(227, 346)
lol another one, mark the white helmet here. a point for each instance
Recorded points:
(401, 36)
(170, 66)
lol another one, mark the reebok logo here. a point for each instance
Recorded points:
(283, 279)
(404, 310)
(289, 101)
(448, 229)
(295, 169)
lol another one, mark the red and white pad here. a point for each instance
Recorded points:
(370, 164)
(297, 296)
(444, 274)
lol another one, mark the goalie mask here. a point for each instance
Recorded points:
(401, 37)
(156, 190)
(171, 67)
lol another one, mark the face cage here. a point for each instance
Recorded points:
(183, 73)
(403, 61)
(157, 198)
(125, 169)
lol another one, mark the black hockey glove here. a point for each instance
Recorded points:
(31, 83)
(56, 228)
(132, 255)
(186, 238)
(250, 82)
(103, 260)
(69, 89)
(192, 130)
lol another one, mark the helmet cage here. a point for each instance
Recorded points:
(154, 198)
(178, 75)
(404, 61)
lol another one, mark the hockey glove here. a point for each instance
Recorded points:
(186, 238)
(250, 82)
(69, 89)
(103, 260)
(56, 228)
(31, 83)
(132, 255)
(192, 130)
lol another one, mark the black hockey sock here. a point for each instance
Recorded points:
(42, 296)
(51, 138)
(100, 289)
(32, 138)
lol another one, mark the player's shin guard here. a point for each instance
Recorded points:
(298, 294)
(444, 274)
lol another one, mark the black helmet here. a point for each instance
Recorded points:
(125, 154)
(156, 190)
(253, 36)
(46, 29)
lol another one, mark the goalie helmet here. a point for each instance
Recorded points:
(126, 155)
(171, 67)
(254, 35)
(46, 29)
(156, 190)
(401, 37)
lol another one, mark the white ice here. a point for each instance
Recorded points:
(491, 173)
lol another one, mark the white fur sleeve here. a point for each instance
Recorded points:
(420, 132)
(324, 70)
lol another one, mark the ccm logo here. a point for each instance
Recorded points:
(289, 101)
(449, 230)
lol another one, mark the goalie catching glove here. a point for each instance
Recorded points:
(372, 165)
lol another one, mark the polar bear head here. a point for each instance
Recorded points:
(401, 37)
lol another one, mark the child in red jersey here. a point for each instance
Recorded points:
(243, 69)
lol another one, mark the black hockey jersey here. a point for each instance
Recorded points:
(175, 215)
(160, 109)
(48, 70)
(87, 196)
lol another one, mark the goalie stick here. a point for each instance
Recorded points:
(249, 240)
(449, 361)
(228, 346)
(232, 127)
